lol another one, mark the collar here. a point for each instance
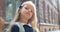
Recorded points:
(26, 24)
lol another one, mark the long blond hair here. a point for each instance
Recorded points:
(34, 18)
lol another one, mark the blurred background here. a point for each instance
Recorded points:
(48, 13)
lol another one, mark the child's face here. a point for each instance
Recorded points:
(27, 11)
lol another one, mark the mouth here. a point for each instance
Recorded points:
(28, 13)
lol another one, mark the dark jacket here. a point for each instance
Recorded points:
(27, 28)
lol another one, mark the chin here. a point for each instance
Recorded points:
(27, 17)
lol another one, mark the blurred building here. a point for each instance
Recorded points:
(48, 15)
(47, 12)
(58, 8)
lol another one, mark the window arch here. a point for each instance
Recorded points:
(45, 30)
(49, 29)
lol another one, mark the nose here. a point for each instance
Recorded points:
(29, 10)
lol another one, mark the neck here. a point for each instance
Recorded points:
(23, 20)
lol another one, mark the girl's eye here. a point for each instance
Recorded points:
(26, 8)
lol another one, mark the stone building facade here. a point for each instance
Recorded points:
(46, 12)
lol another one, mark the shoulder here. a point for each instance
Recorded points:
(28, 28)
(15, 28)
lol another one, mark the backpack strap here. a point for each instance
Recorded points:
(20, 26)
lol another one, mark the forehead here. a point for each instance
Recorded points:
(29, 6)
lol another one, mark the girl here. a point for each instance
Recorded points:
(25, 19)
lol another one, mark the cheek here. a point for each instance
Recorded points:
(31, 14)
(22, 13)
(23, 10)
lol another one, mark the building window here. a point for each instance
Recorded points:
(52, 15)
(50, 1)
(48, 13)
(41, 1)
(44, 17)
(49, 29)
(45, 30)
